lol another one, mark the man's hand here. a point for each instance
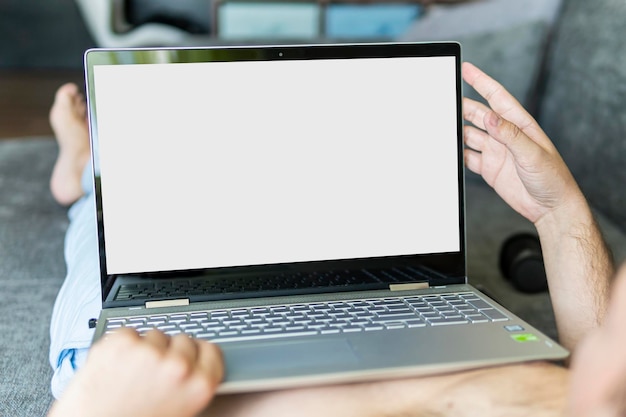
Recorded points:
(512, 153)
(151, 376)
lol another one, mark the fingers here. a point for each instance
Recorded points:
(196, 359)
(157, 339)
(211, 362)
(511, 136)
(496, 95)
(473, 161)
(475, 138)
(200, 364)
(474, 112)
(494, 126)
(501, 101)
(476, 141)
(506, 135)
(189, 354)
(185, 347)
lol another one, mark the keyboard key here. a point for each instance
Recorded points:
(192, 331)
(480, 304)
(494, 315)
(226, 333)
(392, 317)
(415, 323)
(373, 326)
(444, 321)
(294, 327)
(359, 304)
(393, 326)
(237, 326)
(214, 327)
(340, 306)
(251, 331)
(206, 335)
(228, 322)
(137, 320)
(337, 323)
(142, 330)
(339, 315)
(239, 312)
(477, 318)
(451, 314)
(272, 329)
(352, 329)
(436, 304)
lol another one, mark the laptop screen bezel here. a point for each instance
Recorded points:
(438, 268)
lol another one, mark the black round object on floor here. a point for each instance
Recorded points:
(521, 262)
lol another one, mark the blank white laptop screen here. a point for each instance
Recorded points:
(249, 163)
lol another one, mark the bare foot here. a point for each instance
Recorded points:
(69, 123)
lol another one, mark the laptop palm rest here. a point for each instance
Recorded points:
(289, 358)
(358, 357)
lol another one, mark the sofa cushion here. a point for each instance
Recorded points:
(504, 38)
(584, 107)
(32, 268)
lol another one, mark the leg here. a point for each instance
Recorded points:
(536, 390)
(68, 121)
(79, 297)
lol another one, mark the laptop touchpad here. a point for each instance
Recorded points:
(288, 358)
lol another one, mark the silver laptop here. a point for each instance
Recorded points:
(301, 206)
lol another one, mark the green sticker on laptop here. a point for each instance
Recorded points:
(524, 337)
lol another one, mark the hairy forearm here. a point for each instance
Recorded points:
(521, 390)
(579, 267)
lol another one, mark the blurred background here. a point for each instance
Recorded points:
(42, 43)
(41, 47)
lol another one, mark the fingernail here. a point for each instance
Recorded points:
(494, 120)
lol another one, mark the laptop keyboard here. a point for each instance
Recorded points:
(332, 317)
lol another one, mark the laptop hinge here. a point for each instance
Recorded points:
(167, 303)
(409, 286)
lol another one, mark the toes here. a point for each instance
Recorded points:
(68, 112)
(66, 94)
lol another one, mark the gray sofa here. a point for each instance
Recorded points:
(569, 67)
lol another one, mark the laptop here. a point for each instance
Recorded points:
(301, 206)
